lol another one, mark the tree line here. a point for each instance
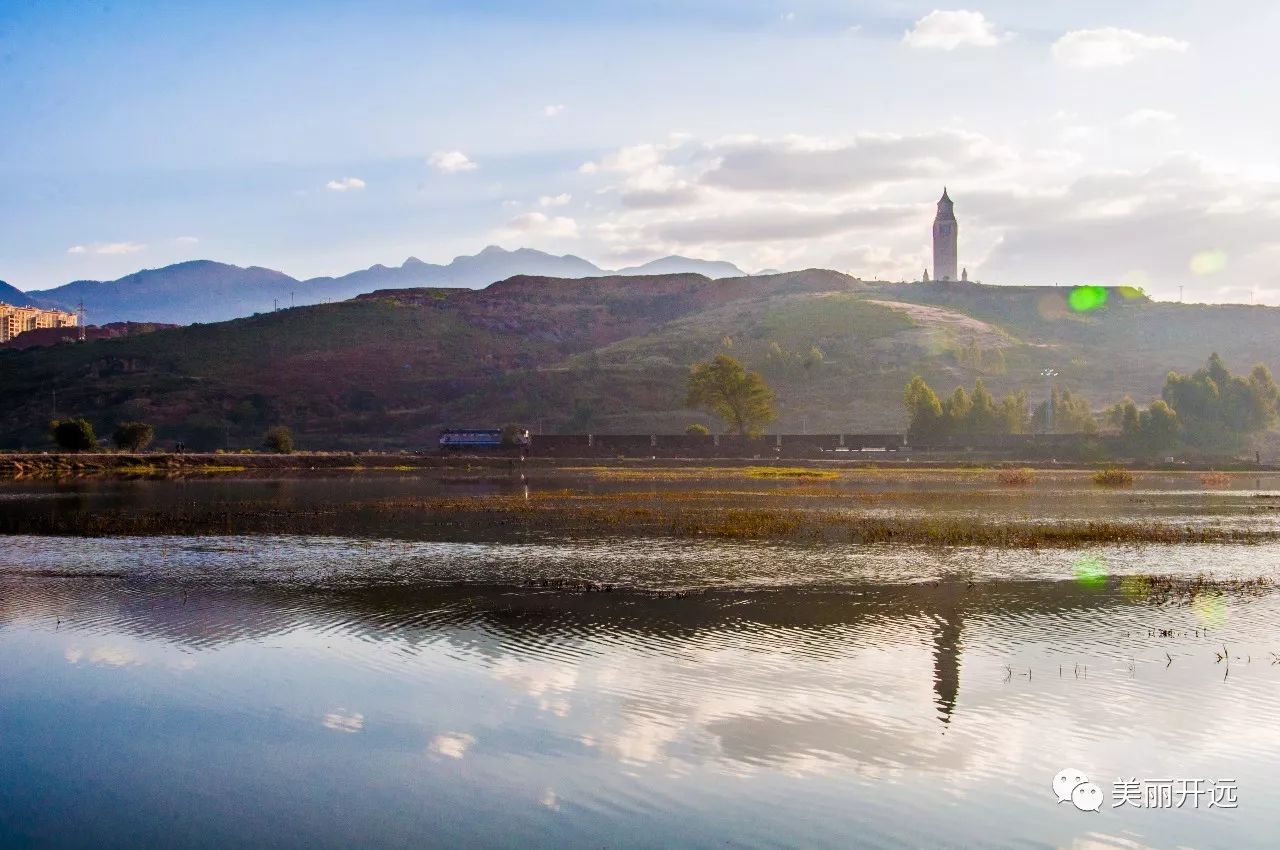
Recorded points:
(76, 434)
(1209, 409)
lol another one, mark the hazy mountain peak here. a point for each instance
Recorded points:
(13, 295)
(207, 290)
(675, 264)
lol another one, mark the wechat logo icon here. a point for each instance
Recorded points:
(1072, 785)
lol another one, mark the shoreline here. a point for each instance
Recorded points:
(24, 464)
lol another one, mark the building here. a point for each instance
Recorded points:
(946, 235)
(16, 320)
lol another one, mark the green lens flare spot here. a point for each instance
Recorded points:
(1210, 610)
(1085, 298)
(1090, 571)
(1208, 262)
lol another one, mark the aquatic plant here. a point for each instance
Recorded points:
(789, 472)
(1023, 477)
(1113, 476)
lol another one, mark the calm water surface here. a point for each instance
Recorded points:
(333, 692)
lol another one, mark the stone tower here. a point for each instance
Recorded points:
(945, 238)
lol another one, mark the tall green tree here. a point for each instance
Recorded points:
(73, 435)
(1152, 431)
(724, 387)
(1218, 410)
(984, 417)
(279, 439)
(956, 410)
(924, 411)
(133, 436)
(1123, 416)
(1072, 414)
(1014, 413)
(962, 413)
(1158, 428)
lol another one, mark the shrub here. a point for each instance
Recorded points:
(1113, 476)
(697, 429)
(73, 435)
(1023, 477)
(1215, 479)
(133, 436)
(279, 440)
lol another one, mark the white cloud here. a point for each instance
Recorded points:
(543, 224)
(345, 184)
(341, 720)
(879, 261)
(1117, 226)
(864, 204)
(108, 656)
(680, 194)
(780, 224)
(451, 162)
(828, 166)
(1150, 118)
(552, 110)
(107, 248)
(628, 160)
(187, 240)
(947, 30)
(452, 744)
(1110, 47)
(555, 200)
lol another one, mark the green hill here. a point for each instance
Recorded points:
(610, 354)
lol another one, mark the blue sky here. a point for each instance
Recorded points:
(1082, 141)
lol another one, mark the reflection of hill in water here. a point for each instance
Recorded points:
(494, 623)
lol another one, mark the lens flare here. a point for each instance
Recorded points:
(1135, 587)
(1208, 262)
(1090, 571)
(1210, 610)
(1085, 298)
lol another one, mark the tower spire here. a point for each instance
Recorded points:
(945, 239)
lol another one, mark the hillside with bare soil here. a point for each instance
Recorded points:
(609, 355)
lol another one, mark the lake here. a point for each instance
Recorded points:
(397, 689)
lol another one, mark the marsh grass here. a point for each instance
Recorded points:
(563, 514)
(790, 472)
(1215, 479)
(1023, 477)
(1169, 588)
(1113, 476)
(687, 473)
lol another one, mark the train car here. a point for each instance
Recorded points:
(484, 439)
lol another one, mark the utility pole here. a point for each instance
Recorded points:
(1049, 375)
(1179, 293)
(80, 319)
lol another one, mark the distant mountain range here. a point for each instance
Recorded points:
(12, 295)
(207, 291)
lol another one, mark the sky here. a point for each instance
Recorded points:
(1082, 141)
